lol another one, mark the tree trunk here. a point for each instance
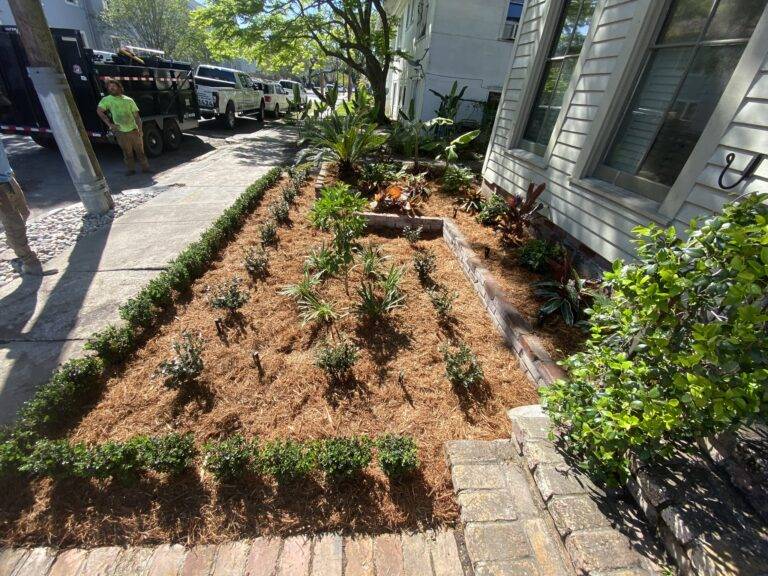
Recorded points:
(379, 88)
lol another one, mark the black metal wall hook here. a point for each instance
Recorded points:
(751, 169)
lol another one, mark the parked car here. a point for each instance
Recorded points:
(276, 98)
(289, 86)
(223, 93)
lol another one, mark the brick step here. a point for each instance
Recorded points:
(602, 531)
(431, 553)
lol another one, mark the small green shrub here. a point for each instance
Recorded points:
(228, 296)
(55, 459)
(536, 254)
(139, 312)
(457, 179)
(462, 367)
(413, 235)
(63, 395)
(323, 262)
(317, 310)
(280, 211)
(256, 262)
(187, 364)
(169, 454)
(229, 459)
(372, 261)
(286, 460)
(290, 193)
(112, 344)
(335, 203)
(268, 233)
(342, 458)
(397, 455)
(376, 175)
(491, 210)
(337, 359)
(302, 290)
(378, 299)
(425, 264)
(442, 299)
(12, 457)
(678, 350)
(159, 292)
(117, 460)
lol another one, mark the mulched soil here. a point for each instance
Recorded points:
(399, 386)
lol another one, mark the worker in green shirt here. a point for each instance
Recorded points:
(124, 121)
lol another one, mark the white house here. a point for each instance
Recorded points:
(628, 110)
(73, 14)
(469, 41)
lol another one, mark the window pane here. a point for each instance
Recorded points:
(710, 72)
(570, 21)
(543, 99)
(735, 19)
(686, 21)
(515, 10)
(556, 102)
(646, 112)
(582, 27)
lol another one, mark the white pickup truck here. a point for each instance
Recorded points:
(223, 93)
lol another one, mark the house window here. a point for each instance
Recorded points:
(421, 18)
(514, 13)
(684, 76)
(409, 14)
(570, 35)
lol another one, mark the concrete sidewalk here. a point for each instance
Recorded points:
(45, 321)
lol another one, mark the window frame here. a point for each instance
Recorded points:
(504, 20)
(534, 77)
(634, 183)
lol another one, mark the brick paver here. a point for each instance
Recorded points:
(328, 555)
(101, 561)
(262, 557)
(295, 558)
(416, 556)
(199, 561)
(39, 561)
(134, 561)
(445, 555)
(231, 558)
(388, 555)
(358, 554)
(68, 562)
(167, 560)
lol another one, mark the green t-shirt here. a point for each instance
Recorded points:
(122, 109)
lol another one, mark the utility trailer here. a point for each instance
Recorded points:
(164, 91)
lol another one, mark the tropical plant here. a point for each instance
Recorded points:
(322, 262)
(519, 215)
(285, 460)
(677, 351)
(337, 359)
(491, 210)
(472, 201)
(425, 264)
(343, 458)
(450, 152)
(449, 103)
(229, 296)
(536, 254)
(377, 299)
(228, 460)
(415, 186)
(457, 179)
(372, 261)
(397, 455)
(376, 175)
(336, 202)
(268, 233)
(567, 294)
(187, 363)
(256, 261)
(462, 367)
(410, 132)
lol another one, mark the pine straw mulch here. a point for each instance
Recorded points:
(399, 387)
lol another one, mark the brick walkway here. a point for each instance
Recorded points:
(422, 554)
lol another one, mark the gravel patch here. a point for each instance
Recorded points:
(52, 233)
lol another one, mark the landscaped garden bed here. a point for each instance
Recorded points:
(278, 391)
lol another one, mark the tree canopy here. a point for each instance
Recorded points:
(295, 34)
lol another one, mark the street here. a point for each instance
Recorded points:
(43, 176)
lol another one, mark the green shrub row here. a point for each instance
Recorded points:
(226, 460)
(71, 385)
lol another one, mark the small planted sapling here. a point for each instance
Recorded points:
(229, 296)
(372, 261)
(286, 460)
(378, 299)
(291, 192)
(462, 368)
(425, 264)
(337, 359)
(344, 458)
(491, 210)
(457, 179)
(413, 235)
(442, 299)
(170, 454)
(268, 233)
(186, 365)
(323, 262)
(256, 262)
(228, 460)
(537, 254)
(397, 455)
(280, 211)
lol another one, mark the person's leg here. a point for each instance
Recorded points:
(138, 147)
(126, 145)
(14, 223)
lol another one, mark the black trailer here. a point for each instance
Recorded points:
(164, 91)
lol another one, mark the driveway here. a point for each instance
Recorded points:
(45, 181)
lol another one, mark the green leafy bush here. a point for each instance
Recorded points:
(413, 235)
(442, 299)
(491, 210)
(457, 179)
(12, 457)
(286, 460)
(117, 460)
(380, 298)
(229, 459)
(256, 262)
(323, 262)
(268, 233)
(678, 350)
(112, 344)
(536, 254)
(228, 296)
(336, 202)
(159, 292)
(139, 312)
(280, 211)
(397, 455)
(290, 193)
(187, 364)
(170, 454)
(337, 359)
(342, 458)
(62, 396)
(462, 368)
(55, 459)
(425, 264)
(374, 176)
